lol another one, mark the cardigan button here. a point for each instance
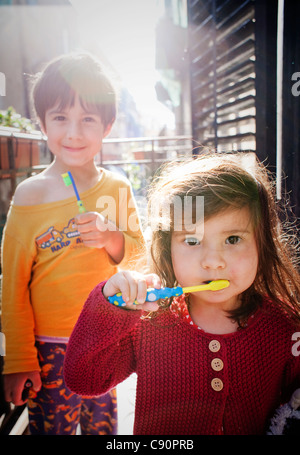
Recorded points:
(214, 346)
(217, 384)
(217, 364)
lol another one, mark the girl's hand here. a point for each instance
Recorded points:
(14, 384)
(133, 286)
(97, 232)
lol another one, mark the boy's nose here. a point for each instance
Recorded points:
(74, 130)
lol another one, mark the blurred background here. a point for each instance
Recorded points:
(122, 34)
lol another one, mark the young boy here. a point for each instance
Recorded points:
(53, 255)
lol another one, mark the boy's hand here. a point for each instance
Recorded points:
(97, 232)
(94, 229)
(133, 286)
(14, 384)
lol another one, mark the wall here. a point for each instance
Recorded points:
(30, 36)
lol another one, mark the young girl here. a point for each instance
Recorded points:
(208, 362)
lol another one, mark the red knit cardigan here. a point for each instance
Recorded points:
(188, 381)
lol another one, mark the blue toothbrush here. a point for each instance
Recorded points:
(165, 293)
(68, 180)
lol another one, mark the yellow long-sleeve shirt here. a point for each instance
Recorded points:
(48, 272)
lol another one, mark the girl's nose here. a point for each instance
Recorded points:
(212, 259)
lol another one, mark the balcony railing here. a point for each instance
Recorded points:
(24, 154)
(152, 151)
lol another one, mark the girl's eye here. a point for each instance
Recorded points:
(233, 239)
(59, 118)
(191, 241)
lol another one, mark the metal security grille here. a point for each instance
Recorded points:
(222, 59)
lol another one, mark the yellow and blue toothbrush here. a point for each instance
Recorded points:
(164, 293)
(68, 179)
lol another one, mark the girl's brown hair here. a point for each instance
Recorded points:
(230, 181)
(71, 74)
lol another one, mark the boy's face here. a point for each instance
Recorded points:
(74, 134)
(223, 248)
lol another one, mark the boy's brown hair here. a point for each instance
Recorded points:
(71, 74)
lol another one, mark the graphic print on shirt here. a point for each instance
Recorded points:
(56, 239)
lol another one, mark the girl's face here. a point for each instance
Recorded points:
(74, 134)
(224, 247)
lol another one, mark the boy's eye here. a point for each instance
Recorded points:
(191, 241)
(233, 239)
(91, 118)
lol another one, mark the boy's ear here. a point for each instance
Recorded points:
(108, 129)
(41, 125)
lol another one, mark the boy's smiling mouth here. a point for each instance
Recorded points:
(73, 147)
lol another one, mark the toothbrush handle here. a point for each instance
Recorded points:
(152, 295)
(81, 206)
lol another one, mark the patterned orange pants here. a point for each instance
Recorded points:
(56, 410)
